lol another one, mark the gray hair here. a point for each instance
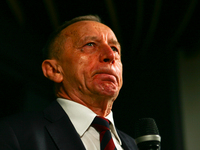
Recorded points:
(51, 50)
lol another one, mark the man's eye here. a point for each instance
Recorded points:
(114, 49)
(90, 44)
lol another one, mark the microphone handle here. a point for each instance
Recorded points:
(149, 145)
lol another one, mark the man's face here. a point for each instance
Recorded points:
(91, 61)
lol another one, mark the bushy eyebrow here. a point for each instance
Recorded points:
(115, 42)
(112, 41)
(86, 38)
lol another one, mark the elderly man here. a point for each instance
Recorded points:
(84, 61)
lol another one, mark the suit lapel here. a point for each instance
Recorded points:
(127, 142)
(61, 129)
(124, 145)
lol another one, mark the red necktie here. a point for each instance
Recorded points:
(102, 125)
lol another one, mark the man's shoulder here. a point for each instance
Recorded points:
(28, 130)
(24, 120)
(35, 118)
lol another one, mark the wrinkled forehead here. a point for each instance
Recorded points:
(89, 28)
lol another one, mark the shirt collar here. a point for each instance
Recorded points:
(112, 126)
(82, 117)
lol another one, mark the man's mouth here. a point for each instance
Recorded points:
(106, 75)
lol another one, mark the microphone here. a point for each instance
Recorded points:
(147, 135)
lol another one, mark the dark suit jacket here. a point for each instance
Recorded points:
(47, 130)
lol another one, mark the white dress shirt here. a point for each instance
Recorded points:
(82, 117)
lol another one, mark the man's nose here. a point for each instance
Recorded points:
(107, 54)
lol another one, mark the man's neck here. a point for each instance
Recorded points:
(100, 106)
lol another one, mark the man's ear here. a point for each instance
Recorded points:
(52, 70)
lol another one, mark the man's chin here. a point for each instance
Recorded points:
(109, 90)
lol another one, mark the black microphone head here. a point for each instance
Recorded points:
(147, 134)
(146, 126)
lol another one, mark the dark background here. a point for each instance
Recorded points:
(151, 33)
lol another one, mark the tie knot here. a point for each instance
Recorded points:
(101, 123)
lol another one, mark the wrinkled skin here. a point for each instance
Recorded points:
(90, 66)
